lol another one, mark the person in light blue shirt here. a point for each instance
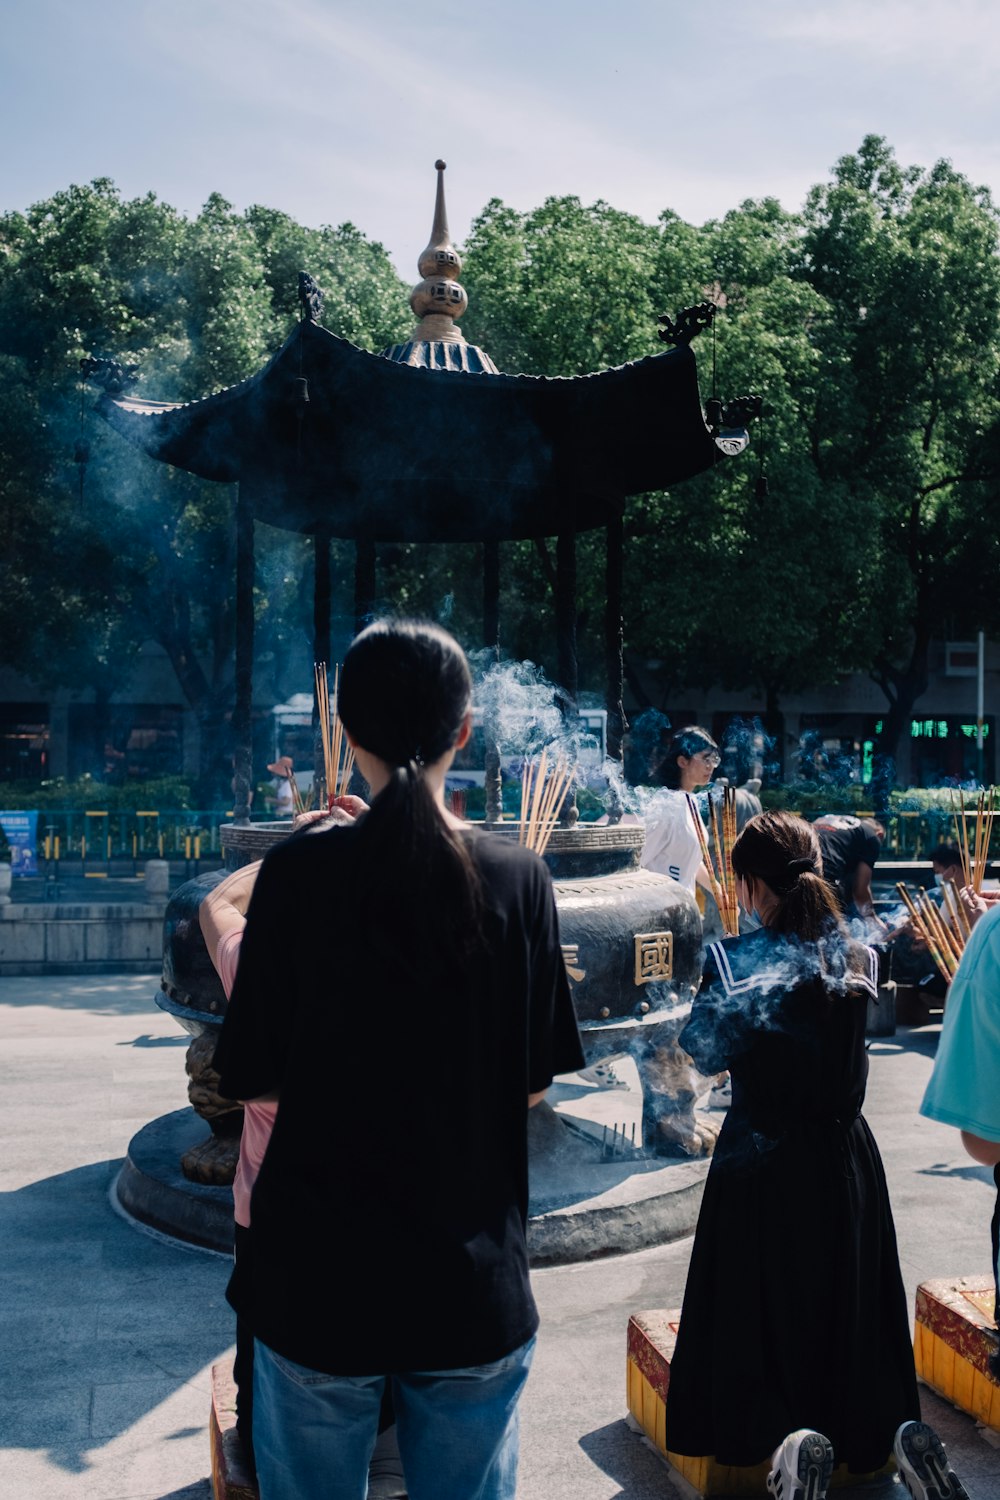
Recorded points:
(964, 1087)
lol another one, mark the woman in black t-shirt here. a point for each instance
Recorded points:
(401, 990)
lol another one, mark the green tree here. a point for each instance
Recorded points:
(907, 260)
(103, 548)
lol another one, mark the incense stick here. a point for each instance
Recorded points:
(706, 858)
(562, 781)
(956, 910)
(338, 766)
(962, 835)
(722, 815)
(526, 773)
(943, 957)
(543, 792)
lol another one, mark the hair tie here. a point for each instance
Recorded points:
(802, 866)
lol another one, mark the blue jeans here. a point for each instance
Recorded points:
(457, 1429)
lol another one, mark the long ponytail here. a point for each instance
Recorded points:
(405, 690)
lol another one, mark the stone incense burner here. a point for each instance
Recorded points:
(631, 943)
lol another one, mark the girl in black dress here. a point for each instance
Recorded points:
(794, 1314)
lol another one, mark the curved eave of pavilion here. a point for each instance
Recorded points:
(373, 448)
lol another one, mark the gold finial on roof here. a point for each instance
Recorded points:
(438, 299)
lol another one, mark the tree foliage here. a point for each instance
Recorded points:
(102, 548)
(868, 322)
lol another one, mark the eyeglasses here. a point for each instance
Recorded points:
(710, 757)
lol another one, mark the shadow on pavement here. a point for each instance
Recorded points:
(102, 1324)
(182, 1040)
(967, 1174)
(627, 1458)
(101, 995)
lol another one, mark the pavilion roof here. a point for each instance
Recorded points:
(327, 434)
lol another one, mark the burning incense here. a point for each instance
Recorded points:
(543, 793)
(298, 806)
(976, 857)
(941, 948)
(722, 878)
(957, 913)
(338, 755)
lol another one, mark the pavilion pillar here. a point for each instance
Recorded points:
(321, 634)
(568, 662)
(491, 640)
(243, 707)
(364, 583)
(614, 658)
(491, 597)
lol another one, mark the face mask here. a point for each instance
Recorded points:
(750, 921)
(939, 881)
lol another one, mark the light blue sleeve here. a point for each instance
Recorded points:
(964, 1087)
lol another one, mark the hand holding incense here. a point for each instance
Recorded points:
(975, 857)
(722, 878)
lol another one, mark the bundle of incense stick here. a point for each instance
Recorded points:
(298, 806)
(338, 755)
(543, 792)
(722, 812)
(945, 933)
(974, 859)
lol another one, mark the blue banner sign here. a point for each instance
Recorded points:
(21, 829)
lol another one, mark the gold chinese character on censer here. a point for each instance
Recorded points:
(654, 956)
(571, 958)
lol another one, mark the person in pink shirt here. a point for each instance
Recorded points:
(222, 916)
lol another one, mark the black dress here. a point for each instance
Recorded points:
(794, 1312)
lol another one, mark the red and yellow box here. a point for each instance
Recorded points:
(954, 1335)
(651, 1340)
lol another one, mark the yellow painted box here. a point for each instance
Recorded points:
(954, 1335)
(651, 1339)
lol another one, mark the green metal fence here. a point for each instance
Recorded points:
(98, 844)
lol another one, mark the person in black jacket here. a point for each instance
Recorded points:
(850, 847)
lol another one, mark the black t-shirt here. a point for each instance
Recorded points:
(845, 843)
(388, 1219)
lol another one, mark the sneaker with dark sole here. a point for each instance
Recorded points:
(801, 1467)
(923, 1464)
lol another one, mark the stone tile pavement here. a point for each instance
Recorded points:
(109, 1333)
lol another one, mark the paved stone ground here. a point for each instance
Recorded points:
(109, 1333)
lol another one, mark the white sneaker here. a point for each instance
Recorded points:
(603, 1074)
(801, 1467)
(923, 1464)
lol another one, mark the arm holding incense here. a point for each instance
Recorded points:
(964, 1086)
(222, 916)
(861, 894)
(223, 912)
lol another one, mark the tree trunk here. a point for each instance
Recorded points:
(902, 688)
(102, 730)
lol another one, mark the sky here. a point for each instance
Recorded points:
(336, 111)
